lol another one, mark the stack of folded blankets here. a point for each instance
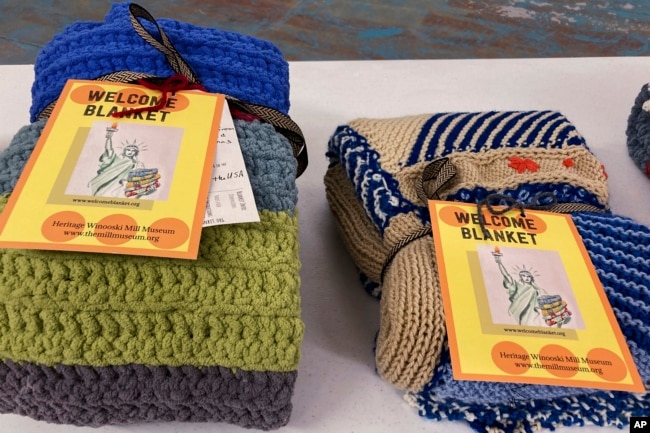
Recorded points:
(374, 188)
(142, 181)
(554, 310)
(94, 339)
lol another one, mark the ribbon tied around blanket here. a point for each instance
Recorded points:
(172, 84)
(185, 78)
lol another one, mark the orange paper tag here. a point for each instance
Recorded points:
(523, 302)
(134, 185)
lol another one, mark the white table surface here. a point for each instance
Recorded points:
(337, 389)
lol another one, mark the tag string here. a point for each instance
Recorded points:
(543, 201)
(172, 84)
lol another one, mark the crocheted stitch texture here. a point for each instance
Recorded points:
(95, 396)
(247, 68)
(91, 339)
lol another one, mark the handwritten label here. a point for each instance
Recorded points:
(231, 198)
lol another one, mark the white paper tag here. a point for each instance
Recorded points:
(230, 199)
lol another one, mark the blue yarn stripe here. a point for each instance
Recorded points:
(417, 146)
(563, 136)
(473, 140)
(459, 120)
(553, 126)
(456, 136)
(434, 142)
(539, 128)
(510, 127)
(518, 134)
(522, 129)
(530, 142)
(490, 124)
(536, 119)
(466, 141)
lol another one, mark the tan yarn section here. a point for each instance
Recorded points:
(411, 328)
(392, 138)
(401, 225)
(359, 234)
(412, 324)
(408, 178)
(491, 170)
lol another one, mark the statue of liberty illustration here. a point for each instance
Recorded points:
(528, 300)
(123, 174)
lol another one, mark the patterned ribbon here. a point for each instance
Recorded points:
(282, 123)
(435, 176)
(176, 61)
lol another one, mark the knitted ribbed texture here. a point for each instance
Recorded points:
(368, 251)
(406, 349)
(601, 409)
(412, 319)
(247, 68)
(638, 130)
(91, 339)
(383, 158)
(620, 251)
(381, 190)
